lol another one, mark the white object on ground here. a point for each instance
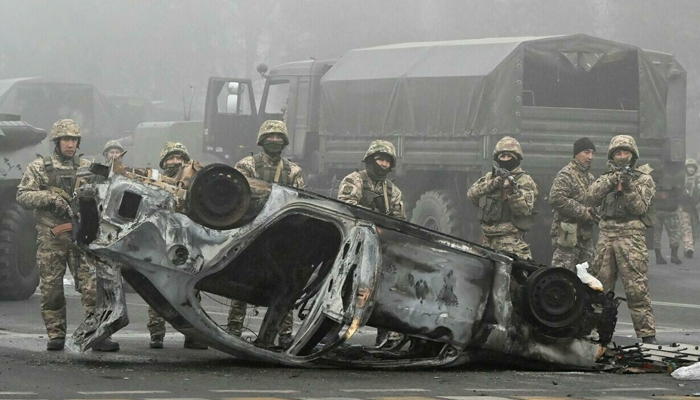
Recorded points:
(689, 373)
(588, 279)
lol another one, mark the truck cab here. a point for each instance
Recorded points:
(291, 94)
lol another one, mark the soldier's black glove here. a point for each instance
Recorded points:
(497, 182)
(626, 180)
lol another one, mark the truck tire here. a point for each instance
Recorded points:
(437, 210)
(19, 275)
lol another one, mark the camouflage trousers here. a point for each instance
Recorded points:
(156, 323)
(686, 227)
(569, 258)
(54, 253)
(236, 316)
(513, 243)
(669, 219)
(628, 257)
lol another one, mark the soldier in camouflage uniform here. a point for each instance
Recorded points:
(625, 197)
(666, 204)
(172, 158)
(47, 188)
(572, 228)
(506, 203)
(269, 166)
(371, 189)
(112, 150)
(688, 213)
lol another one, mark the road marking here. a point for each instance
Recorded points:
(383, 390)
(252, 391)
(126, 392)
(680, 305)
(174, 398)
(17, 393)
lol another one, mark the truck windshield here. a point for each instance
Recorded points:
(277, 99)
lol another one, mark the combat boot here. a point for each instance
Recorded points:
(674, 256)
(649, 340)
(106, 344)
(689, 253)
(56, 344)
(190, 343)
(660, 260)
(156, 342)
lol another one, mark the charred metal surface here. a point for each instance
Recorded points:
(338, 266)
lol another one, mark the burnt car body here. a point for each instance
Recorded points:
(341, 267)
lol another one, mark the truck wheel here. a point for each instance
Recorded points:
(19, 275)
(437, 210)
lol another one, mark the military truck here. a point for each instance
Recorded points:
(444, 105)
(19, 144)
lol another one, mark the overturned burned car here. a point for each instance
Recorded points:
(340, 267)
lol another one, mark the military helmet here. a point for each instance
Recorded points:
(384, 147)
(273, 126)
(112, 144)
(65, 128)
(508, 145)
(171, 148)
(691, 162)
(623, 142)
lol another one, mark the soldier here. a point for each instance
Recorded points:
(47, 187)
(112, 150)
(572, 228)
(269, 166)
(506, 199)
(172, 158)
(625, 194)
(666, 204)
(371, 189)
(688, 213)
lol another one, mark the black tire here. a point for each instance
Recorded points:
(437, 210)
(19, 275)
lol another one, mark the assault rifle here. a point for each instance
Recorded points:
(507, 176)
(624, 170)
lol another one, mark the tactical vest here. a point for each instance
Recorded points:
(374, 199)
(267, 172)
(61, 181)
(493, 209)
(613, 207)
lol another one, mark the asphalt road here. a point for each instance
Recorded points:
(27, 371)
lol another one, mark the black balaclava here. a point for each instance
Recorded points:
(511, 164)
(374, 171)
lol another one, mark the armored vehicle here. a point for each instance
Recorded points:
(444, 105)
(19, 145)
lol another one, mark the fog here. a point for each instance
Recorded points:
(166, 50)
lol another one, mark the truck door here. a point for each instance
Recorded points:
(230, 118)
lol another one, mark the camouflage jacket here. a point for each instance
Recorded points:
(351, 192)
(32, 192)
(247, 167)
(567, 198)
(637, 199)
(521, 204)
(692, 186)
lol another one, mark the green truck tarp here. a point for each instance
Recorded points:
(478, 87)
